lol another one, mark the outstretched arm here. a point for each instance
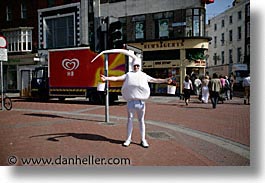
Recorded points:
(112, 78)
(158, 80)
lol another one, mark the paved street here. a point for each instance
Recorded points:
(74, 133)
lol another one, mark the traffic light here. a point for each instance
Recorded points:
(115, 34)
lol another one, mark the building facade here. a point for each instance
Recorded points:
(170, 33)
(230, 44)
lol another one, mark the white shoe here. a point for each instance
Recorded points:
(144, 144)
(126, 143)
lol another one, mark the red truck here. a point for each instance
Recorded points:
(70, 73)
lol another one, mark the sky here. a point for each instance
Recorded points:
(217, 7)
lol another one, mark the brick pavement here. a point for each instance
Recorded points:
(179, 135)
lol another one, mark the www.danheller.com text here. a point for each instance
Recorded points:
(89, 160)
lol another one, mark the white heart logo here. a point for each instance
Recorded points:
(70, 65)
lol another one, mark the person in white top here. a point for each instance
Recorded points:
(187, 88)
(135, 91)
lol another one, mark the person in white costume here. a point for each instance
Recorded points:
(135, 91)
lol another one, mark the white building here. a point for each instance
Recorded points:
(230, 44)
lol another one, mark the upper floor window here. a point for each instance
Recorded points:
(230, 56)
(239, 33)
(222, 39)
(223, 57)
(248, 10)
(215, 27)
(8, 13)
(230, 35)
(248, 29)
(239, 55)
(195, 22)
(19, 40)
(239, 15)
(215, 41)
(162, 22)
(23, 10)
(231, 19)
(163, 28)
(223, 23)
(139, 30)
(215, 58)
(139, 27)
(59, 31)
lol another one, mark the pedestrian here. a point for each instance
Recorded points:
(215, 87)
(246, 85)
(135, 91)
(227, 88)
(187, 88)
(231, 81)
(205, 89)
(197, 86)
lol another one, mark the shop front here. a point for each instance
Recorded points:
(175, 59)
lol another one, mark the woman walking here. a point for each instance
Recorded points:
(187, 88)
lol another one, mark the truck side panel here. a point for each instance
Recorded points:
(73, 68)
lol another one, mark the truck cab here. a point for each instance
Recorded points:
(40, 83)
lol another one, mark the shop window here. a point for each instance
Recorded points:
(195, 54)
(161, 55)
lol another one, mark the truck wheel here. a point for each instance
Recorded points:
(96, 98)
(61, 99)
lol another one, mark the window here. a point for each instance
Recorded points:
(231, 19)
(223, 57)
(161, 55)
(195, 54)
(223, 23)
(248, 10)
(19, 40)
(215, 58)
(248, 29)
(139, 30)
(215, 41)
(239, 33)
(239, 54)
(162, 23)
(195, 22)
(59, 32)
(230, 35)
(163, 28)
(23, 10)
(230, 56)
(239, 15)
(223, 39)
(8, 13)
(215, 27)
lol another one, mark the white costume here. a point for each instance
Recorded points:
(135, 91)
(135, 86)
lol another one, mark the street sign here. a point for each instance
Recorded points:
(3, 42)
(3, 57)
(3, 54)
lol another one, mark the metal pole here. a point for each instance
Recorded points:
(2, 86)
(106, 60)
